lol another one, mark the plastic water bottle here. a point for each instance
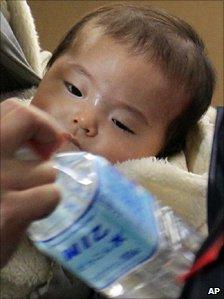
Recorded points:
(112, 233)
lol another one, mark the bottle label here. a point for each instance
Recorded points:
(115, 234)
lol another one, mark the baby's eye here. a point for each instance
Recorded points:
(122, 126)
(73, 89)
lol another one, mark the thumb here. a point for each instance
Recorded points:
(29, 124)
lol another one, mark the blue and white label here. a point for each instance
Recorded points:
(116, 233)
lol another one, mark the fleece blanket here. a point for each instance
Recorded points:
(179, 181)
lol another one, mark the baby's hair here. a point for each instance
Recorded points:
(165, 40)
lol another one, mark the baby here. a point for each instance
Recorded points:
(128, 82)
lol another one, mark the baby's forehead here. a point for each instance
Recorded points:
(87, 35)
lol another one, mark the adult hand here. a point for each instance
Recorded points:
(27, 187)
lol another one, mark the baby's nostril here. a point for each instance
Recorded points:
(75, 121)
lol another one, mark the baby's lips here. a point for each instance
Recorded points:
(64, 138)
(45, 150)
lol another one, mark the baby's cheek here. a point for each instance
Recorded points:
(105, 148)
(121, 151)
(157, 141)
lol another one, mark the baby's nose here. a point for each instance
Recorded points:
(86, 121)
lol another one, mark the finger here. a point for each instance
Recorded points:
(23, 207)
(29, 123)
(21, 175)
(18, 210)
(7, 106)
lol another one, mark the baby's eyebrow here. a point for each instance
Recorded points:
(82, 70)
(135, 110)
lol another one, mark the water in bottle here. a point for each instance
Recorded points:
(112, 233)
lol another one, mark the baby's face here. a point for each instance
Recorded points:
(113, 103)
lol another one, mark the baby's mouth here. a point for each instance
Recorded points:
(74, 141)
(70, 145)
